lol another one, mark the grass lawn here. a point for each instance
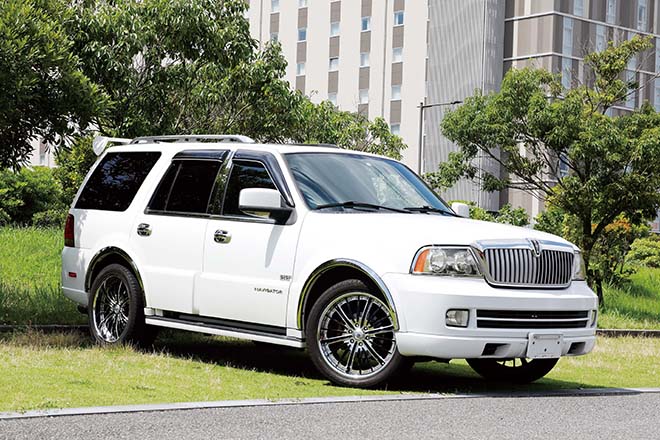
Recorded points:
(30, 278)
(65, 370)
(635, 305)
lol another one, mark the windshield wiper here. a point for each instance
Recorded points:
(426, 209)
(351, 204)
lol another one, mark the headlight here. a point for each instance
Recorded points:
(579, 271)
(453, 261)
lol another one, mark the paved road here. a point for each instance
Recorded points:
(602, 417)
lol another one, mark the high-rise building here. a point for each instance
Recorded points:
(385, 57)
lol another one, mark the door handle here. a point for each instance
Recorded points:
(221, 236)
(144, 230)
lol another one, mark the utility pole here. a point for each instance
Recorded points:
(422, 107)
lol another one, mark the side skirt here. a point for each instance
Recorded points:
(211, 328)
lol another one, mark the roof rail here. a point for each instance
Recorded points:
(194, 138)
(101, 142)
(317, 145)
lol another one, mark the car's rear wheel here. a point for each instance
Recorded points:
(116, 308)
(350, 336)
(512, 370)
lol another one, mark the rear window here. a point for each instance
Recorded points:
(186, 187)
(115, 181)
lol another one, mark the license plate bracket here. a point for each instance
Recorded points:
(544, 345)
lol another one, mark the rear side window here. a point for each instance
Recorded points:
(186, 187)
(115, 181)
(245, 175)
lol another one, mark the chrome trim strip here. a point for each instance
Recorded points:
(338, 262)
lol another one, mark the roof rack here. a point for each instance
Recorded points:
(317, 145)
(194, 138)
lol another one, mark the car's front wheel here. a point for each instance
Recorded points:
(116, 308)
(350, 336)
(512, 370)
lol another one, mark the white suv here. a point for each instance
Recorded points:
(348, 254)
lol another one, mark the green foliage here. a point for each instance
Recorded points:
(507, 214)
(73, 163)
(324, 123)
(551, 220)
(613, 163)
(645, 252)
(29, 196)
(44, 94)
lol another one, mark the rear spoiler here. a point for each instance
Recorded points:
(100, 143)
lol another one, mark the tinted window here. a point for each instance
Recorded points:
(245, 175)
(115, 181)
(186, 187)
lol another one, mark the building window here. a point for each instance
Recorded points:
(397, 54)
(274, 36)
(630, 97)
(300, 69)
(302, 3)
(364, 59)
(274, 5)
(364, 96)
(562, 169)
(398, 18)
(642, 14)
(566, 72)
(601, 38)
(334, 64)
(332, 97)
(366, 24)
(657, 94)
(657, 54)
(578, 7)
(611, 11)
(567, 42)
(334, 28)
(302, 34)
(395, 129)
(396, 93)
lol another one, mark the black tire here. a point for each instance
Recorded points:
(116, 309)
(519, 371)
(356, 342)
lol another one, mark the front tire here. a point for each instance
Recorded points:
(116, 309)
(519, 371)
(350, 336)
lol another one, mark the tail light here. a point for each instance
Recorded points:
(69, 235)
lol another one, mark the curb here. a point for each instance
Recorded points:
(614, 333)
(124, 409)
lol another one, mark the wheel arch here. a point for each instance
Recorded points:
(109, 255)
(336, 270)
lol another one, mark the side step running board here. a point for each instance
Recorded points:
(223, 331)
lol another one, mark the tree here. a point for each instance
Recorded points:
(183, 66)
(44, 94)
(532, 126)
(324, 123)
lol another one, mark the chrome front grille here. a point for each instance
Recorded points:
(528, 319)
(522, 267)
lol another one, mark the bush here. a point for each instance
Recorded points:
(507, 214)
(73, 163)
(30, 194)
(644, 252)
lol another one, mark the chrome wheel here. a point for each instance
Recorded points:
(110, 310)
(355, 335)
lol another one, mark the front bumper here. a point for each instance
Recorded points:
(422, 302)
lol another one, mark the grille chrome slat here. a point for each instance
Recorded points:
(521, 267)
(532, 319)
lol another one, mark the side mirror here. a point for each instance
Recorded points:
(262, 202)
(461, 209)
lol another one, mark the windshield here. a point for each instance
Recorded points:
(338, 178)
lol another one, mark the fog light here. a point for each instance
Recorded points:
(594, 316)
(457, 318)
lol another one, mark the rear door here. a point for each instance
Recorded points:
(246, 275)
(168, 237)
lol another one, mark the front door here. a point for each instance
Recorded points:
(248, 259)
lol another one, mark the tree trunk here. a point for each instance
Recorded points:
(599, 292)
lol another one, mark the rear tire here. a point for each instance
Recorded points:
(116, 309)
(519, 371)
(350, 337)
